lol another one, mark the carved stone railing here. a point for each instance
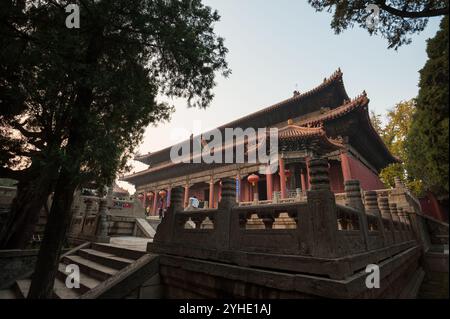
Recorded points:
(315, 236)
(7, 194)
(269, 228)
(296, 196)
(437, 230)
(90, 220)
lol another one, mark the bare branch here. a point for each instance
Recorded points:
(413, 14)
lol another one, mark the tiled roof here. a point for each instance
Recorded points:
(359, 102)
(295, 131)
(119, 190)
(336, 77)
(310, 135)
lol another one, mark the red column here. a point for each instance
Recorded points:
(307, 173)
(303, 180)
(345, 165)
(144, 201)
(282, 178)
(239, 190)
(269, 181)
(169, 197)
(186, 195)
(211, 194)
(155, 202)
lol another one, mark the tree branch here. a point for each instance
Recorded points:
(413, 14)
(25, 132)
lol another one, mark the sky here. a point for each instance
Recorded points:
(278, 46)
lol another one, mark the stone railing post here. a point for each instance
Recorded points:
(299, 194)
(176, 200)
(371, 203)
(321, 218)
(353, 199)
(383, 203)
(411, 206)
(276, 198)
(224, 214)
(166, 228)
(88, 204)
(397, 223)
(101, 235)
(403, 220)
(75, 211)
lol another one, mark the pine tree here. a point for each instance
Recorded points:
(427, 143)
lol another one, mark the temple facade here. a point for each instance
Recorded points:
(323, 122)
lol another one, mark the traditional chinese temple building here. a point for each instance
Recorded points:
(321, 122)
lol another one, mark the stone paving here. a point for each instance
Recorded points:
(133, 243)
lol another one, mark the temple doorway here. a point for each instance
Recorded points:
(262, 190)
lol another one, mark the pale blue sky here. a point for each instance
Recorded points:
(277, 44)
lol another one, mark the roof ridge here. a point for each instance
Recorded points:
(349, 105)
(327, 81)
(336, 75)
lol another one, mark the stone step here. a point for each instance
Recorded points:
(90, 268)
(411, 290)
(86, 282)
(145, 227)
(8, 294)
(118, 251)
(22, 287)
(154, 223)
(104, 258)
(60, 291)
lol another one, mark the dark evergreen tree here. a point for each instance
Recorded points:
(397, 19)
(428, 139)
(89, 93)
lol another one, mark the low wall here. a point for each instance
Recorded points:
(121, 226)
(187, 278)
(15, 264)
(7, 194)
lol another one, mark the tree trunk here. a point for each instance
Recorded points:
(30, 198)
(55, 232)
(69, 178)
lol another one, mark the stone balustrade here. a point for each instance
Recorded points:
(308, 236)
(96, 219)
(292, 197)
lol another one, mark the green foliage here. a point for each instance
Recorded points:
(394, 135)
(398, 126)
(427, 144)
(398, 19)
(96, 87)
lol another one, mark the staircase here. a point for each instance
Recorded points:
(106, 271)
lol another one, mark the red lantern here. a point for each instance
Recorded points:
(150, 194)
(141, 196)
(162, 193)
(253, 179)
(287, 173)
